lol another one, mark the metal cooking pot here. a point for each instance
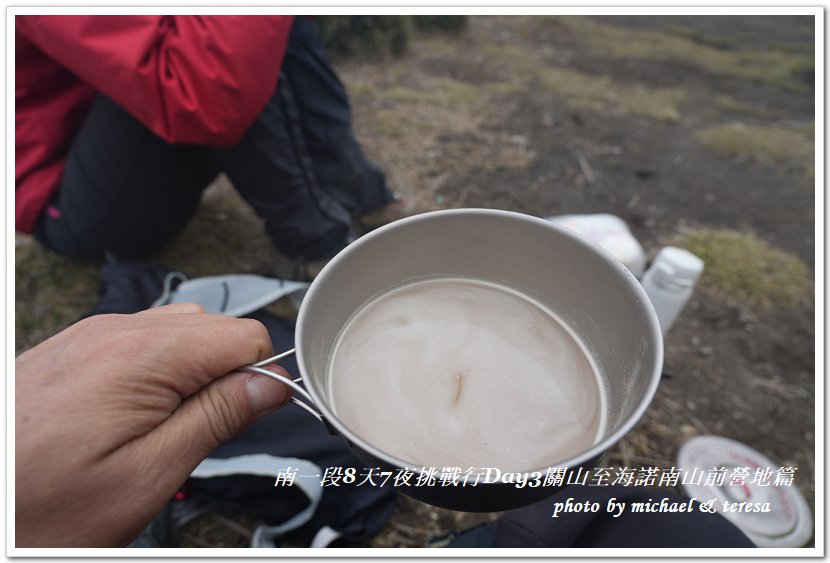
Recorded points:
(595, 295)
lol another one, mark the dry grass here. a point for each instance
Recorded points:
(602, 94)
(440, 92)
(583, 90)
(404, 112)
(743, 268)
(731, 105)
(770, 65)
(412, 114)
(766, 144)
(51, 292)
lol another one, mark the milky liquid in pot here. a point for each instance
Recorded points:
(457, 372)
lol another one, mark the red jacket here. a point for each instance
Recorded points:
(190, 79)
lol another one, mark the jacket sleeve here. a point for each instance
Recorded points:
(190, 79)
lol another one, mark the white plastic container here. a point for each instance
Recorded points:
(611, 233)
(788, 523)
(670, 282)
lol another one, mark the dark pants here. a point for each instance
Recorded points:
(127, 192)
(533, 526)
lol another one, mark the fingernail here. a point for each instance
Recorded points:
(266, 394)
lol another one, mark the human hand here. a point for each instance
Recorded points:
(113, 414)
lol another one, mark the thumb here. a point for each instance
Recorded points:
(221, 410)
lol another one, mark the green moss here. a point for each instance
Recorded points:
(741, 267)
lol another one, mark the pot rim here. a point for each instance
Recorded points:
(597, 449)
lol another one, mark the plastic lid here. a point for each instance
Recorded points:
(787, 524)
(684, 266)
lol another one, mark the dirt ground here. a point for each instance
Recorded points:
(679, 125)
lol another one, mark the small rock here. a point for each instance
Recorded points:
(706, 350)
(688, 430)
(695, 341)
(691, 405)
(745, 316)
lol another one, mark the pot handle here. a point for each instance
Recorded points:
(259, 368)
